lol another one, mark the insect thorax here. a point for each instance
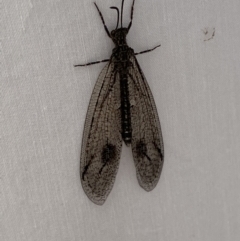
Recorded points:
(121, 56)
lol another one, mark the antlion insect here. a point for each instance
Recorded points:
(121, 108)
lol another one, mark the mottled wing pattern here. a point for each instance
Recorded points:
(102, 142)
(147, 142)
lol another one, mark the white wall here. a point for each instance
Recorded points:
(196, 86)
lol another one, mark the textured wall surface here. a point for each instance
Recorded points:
(196, 86)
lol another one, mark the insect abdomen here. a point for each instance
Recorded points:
(125, 110)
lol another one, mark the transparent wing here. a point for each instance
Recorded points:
(101, 144)
(147, 141)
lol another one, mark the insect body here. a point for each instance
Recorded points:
(121, 108)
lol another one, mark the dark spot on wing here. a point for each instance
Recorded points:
(141, 149)
(108, 154)
(159, 151)
(84, 171)
(86, 168)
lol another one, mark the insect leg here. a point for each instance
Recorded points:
(91, 63)
(148, 50)
(101, 16)
(130, 24)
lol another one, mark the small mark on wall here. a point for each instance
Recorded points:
(209, 33)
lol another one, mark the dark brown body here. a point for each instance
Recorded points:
(121, 58)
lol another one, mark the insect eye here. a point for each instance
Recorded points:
(113, 32)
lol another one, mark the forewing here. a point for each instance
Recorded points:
(101, 144)
(147, 142)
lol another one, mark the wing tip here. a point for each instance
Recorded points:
(98, 200)
(148, 187)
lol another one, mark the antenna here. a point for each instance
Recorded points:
(122, 12)
(117, 14)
